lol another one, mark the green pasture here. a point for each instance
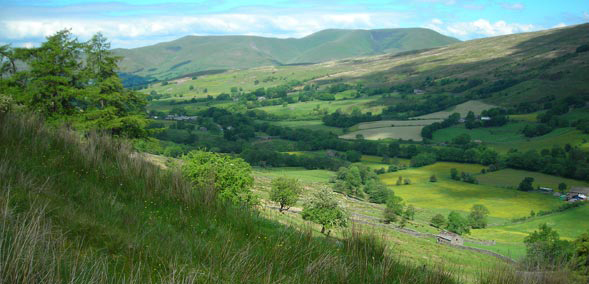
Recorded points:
(512, 178)
(299, 173)
(509, 136)
(569, 225)
(269, 76)
(447, 194)
(475, 106)
(395, 123)
(400, 132)
(307, 124)
(307, 110)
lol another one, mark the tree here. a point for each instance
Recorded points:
(562, 187)
(230, 179)
(56, 77)
(438, 221)
(454, 174)
(400, 180)
(111, 107)
(433, 178)
(526, 184)
(353, 156)
(423, 159)
(394, 209)
(478, 216)
(407, 181)
(544, 247)
(377, 191)
(581, 254)
(324, 210)
(285, 192)
(409, 212)
(457, 224)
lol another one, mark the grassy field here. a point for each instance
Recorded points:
(422, 251)
(446, 194)
(394, 123)
(400, 132)
(297, 173)
(509, 136)
(308, 124)
(475, 106)
(569, 225)
(512, 178)
(307, 110)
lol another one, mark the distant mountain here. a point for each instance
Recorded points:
(192, 54)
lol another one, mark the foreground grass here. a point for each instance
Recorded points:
(92, 211)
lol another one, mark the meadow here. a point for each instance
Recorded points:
(475, 106)
(512, 177)
(399, 132)
(312, 109)
(509, 137)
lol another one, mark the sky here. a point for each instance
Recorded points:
(129, 24)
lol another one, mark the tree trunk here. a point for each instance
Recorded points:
(323, 229)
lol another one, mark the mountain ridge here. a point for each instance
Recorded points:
(191, 54)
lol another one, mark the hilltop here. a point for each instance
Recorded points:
(192, 54)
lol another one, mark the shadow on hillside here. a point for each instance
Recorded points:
(539, 57)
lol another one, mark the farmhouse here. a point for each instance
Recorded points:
(418, 91)
(449, 238)
(578, 193)
(485, 118)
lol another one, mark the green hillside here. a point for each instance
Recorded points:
(91, 211)
(197, 53)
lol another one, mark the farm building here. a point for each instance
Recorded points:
(578, 193)
(449, 238)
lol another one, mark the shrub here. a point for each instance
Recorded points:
(324, 210)
(221, 175)
(285, 192)
(438, 221)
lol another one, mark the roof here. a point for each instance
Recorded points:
(447, 235)
(579, 189)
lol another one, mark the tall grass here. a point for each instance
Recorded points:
(90, 210)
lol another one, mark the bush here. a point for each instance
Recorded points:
(5, 103)
(285, 192)
(582, 48)
(438, 221)
(423, 159)
(324, 210)
(220, 175)
(457, 224)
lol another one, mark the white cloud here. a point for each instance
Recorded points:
(129, 32)
(483, 27)
(513, 6)
(437, 21)
(561, 25)
(586, 16)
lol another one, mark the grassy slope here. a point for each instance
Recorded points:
(509, 136)
(165, 60)
(89, 212)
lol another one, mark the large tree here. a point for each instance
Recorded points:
(478, 216)
(324, 210)
(457, 224)
(285, 192)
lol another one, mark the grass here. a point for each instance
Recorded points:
(509, 137)
(566, 223)
(308, 124)
(297, 173)
(475, 106)
(401, 132)
(306, 110)
(92, 211)
(446, 195)
(512, 178)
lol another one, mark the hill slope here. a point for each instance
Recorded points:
(197, 53)
(92, 212)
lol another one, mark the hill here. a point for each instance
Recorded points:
(192, 54)
(93, 212)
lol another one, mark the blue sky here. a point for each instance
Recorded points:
(138, 23)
